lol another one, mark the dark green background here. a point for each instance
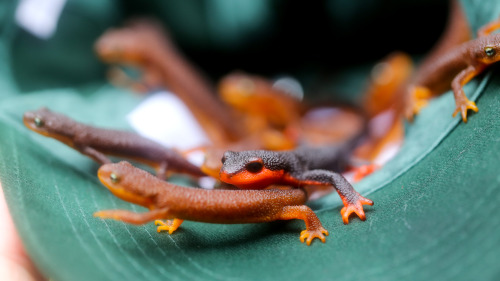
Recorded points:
(434, 214)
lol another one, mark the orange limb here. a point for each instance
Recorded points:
(488, 28)
(354, 207)
(417, 100)
(462, 102)
(169, 225)
(131, 217)
(363, 171)
(314, 229)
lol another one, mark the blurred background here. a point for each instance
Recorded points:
(49, 43)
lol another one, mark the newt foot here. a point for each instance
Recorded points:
(311, 234)
(463, 106)
(168, 225)
(356, 207)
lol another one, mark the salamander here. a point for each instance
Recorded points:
(453, 68)
(258, 169)
(168, 201)
(145, 44)
(97, 143)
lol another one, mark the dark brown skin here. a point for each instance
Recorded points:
(453, 68)
(258, 169)
(169, 201)
(97, 143)
(144, 44)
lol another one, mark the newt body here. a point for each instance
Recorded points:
(257, 169)
(97, 143)
(144, 44)
(168, 201)
(453, 68)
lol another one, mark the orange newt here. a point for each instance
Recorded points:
(454, 68)
(144, 44)
(383, 104)
(97, 142)
(168, 201)
(257, 169)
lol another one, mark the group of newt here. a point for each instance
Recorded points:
(269, 151)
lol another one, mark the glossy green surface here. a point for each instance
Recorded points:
(433, 219)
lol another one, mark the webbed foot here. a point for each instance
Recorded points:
(309, 235)
(356, 207)
(168, 225)
(463, 106)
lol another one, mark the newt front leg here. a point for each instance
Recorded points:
(314, 229)
(462, 102)
(169, 225)
(131, 217)
(353, 201)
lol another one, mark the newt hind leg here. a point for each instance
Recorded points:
(314, 229)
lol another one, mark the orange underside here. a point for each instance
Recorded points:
(263, 179)
(247, 180)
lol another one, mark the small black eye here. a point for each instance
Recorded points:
(489, 51)
(114, 178)
(223, 160)
(38, 122)
(254, 167)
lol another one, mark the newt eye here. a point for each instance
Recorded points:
(254, 167)
(223, 160)
(114, 178)
(489, 51)
(38, 122)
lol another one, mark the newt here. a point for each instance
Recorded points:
(258, 169)
(167, 201)
(143, 43)
(383, 104)
(98, 142)
(452, 69)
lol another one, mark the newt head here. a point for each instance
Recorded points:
(128, 183)
(253, 169)
(488, 51)
(50, 124)
(120, 46)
